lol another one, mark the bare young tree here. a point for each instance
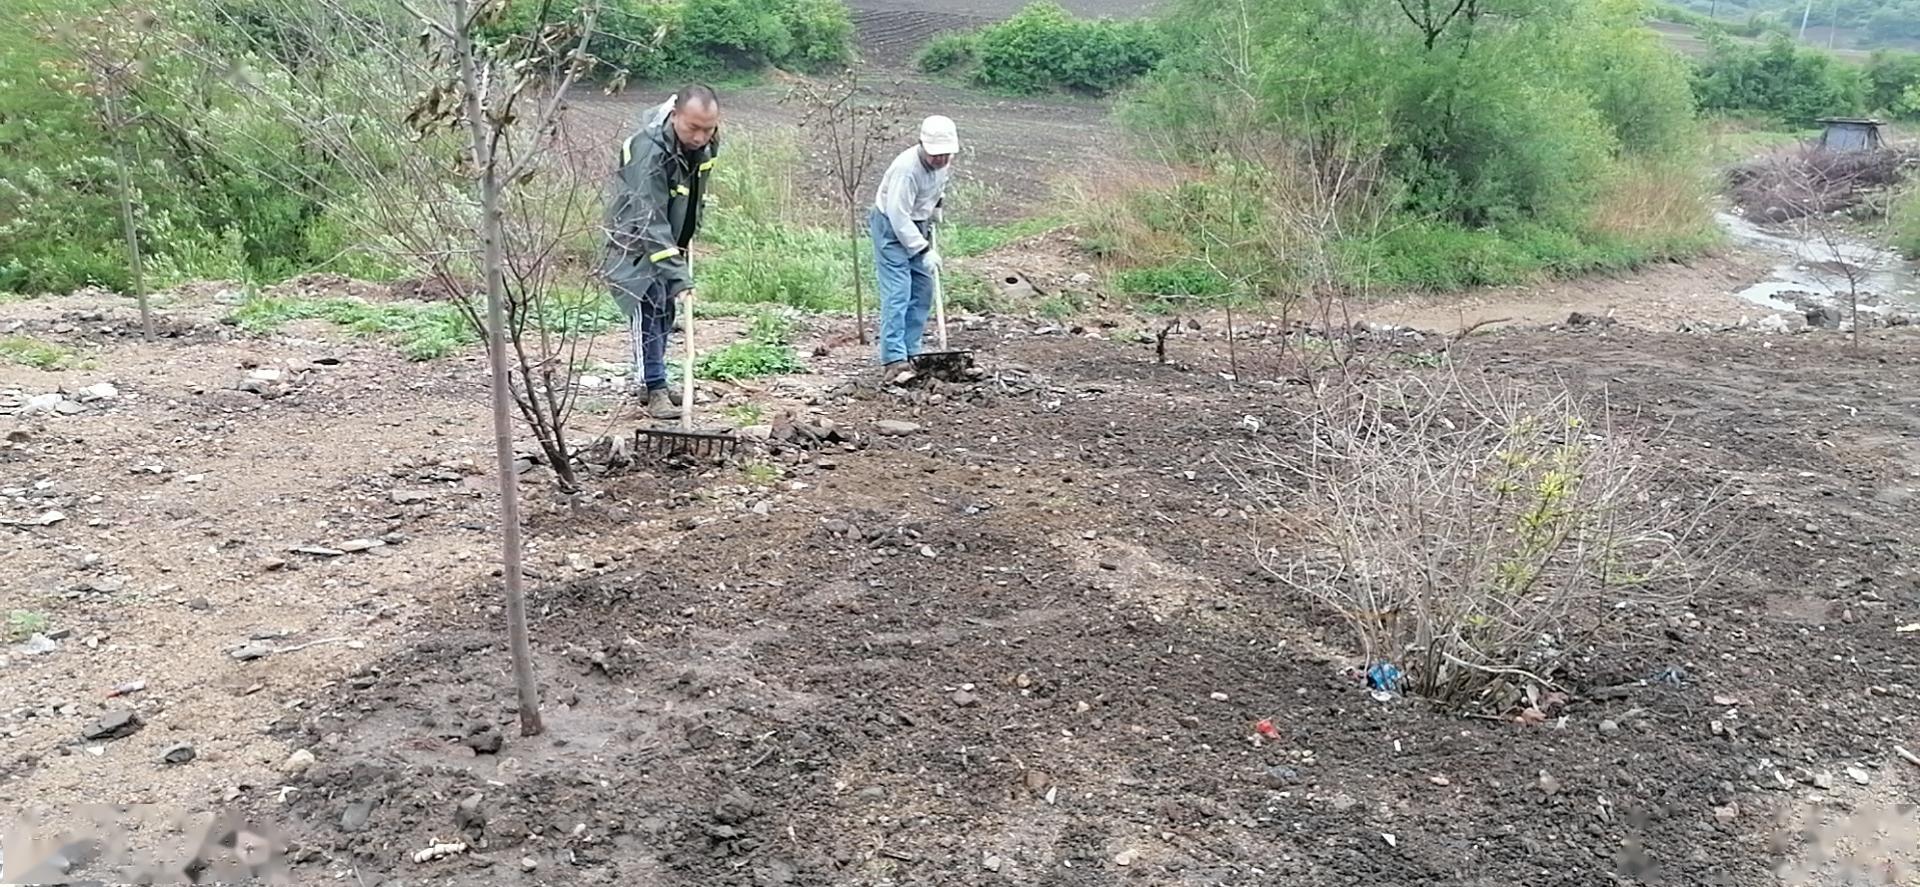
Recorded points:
(466, 172)
(111, 51)
(854, 127)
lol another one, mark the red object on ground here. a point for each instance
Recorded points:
(1267, 729)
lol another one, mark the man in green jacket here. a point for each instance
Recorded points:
(654, 214)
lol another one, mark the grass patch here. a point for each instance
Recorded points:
(962, 240)
(761, 474)
(968, 293)
(748, 360)
(744, 414)
(1905, 220)
(29, 351)
(22, 624)
(420, 331)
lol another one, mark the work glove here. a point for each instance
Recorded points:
(931, 259)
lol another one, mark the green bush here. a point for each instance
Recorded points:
(221, 187)
(1893, 84)
(655, 40)
(1495, 152)
(1779, 80)
(949, 52)
(1045, 48)
(1906, 223)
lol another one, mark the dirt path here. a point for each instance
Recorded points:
(983, 652)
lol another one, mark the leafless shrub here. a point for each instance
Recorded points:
(1788, 185)
(1474, 537)
(854, 127)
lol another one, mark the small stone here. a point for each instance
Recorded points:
(895, 427)
(1548, 784)
(1609, 728)
(19, 435)
(991, 863)
(356, 816)
(1126, 857)
(201, 604)
(1217, 697)
(408, 497)
(273, 565)
(1441, 781)
(1860, 776)
(1281, 777)
(37, 645)
(1036, 781)
(529, 863)
(43, 403)
(179, 754)
(297, 763)
(101, 391)
(1727, 814)
(250, 652)
(965, 698)
(1823, 781)
(487, 741)
(1109, 564)
(116, 724)
(756, 433)
(353, 546)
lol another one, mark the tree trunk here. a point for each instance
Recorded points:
(117, 128)
(859, 291)
(492, 233)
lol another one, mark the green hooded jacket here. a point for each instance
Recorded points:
(655, 211)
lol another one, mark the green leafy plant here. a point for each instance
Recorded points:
(744, 414)
(1044, 47)
(22, 624)
(28, 351)
(761, 474)
(949, 52)
(747, 360)
(421, 331)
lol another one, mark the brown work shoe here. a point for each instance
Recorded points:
(660, 404)
(900, 372)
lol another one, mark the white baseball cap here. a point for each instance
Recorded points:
(938, 136)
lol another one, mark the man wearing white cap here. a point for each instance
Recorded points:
(905, 257)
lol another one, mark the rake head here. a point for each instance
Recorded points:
(673, 442)
(953, 366)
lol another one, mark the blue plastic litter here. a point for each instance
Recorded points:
(1384, 676)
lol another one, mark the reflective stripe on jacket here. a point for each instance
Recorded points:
(655, 210)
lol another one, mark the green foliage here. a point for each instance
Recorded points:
(660, 39)
(1499, 141)
(1779, 80)
(1181, 279)
(1045, 48)
(765, 352)
(29, 351)
(421, 331)
(949, 52)
(744, 414)
(23, 624)
(1905, 218)
(747, 360)
(1893, 84)
(221, 186)
(960, 240)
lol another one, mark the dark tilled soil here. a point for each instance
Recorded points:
(988, 653)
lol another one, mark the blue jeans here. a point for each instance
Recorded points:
(647, 330)
(906, 291)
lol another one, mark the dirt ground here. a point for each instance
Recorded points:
(1024, 643)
